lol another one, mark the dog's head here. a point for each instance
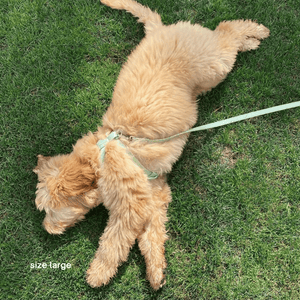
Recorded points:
(70, 185)
(67, 187)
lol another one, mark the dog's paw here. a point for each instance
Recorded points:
(250, 44)
(156, 278)
(263, 32)
(99, 274)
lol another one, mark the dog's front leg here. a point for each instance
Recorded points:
(127, 195)
(123, 228)
(152, 240)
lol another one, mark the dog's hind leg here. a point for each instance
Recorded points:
(246, 33)
(151, 19)
(226, 41)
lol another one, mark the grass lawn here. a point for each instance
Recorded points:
(234, 222)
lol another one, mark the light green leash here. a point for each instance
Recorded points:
(152, 175)
(228, 121)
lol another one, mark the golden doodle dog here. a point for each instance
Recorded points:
(154, 98)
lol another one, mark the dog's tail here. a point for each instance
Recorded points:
(151, 19)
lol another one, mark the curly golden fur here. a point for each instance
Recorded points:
(154, 97)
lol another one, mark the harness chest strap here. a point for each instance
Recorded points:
(115, 136)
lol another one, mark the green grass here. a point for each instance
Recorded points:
(234, 220)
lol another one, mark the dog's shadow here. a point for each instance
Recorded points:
(92, 227)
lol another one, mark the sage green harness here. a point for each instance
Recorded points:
(115, 136)
(152, 175)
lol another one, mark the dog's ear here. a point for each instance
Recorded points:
(76, 177)
(47, 194)
(41, 161)
(48, 169)
(66, 176)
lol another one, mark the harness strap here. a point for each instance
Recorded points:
(115, 136)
